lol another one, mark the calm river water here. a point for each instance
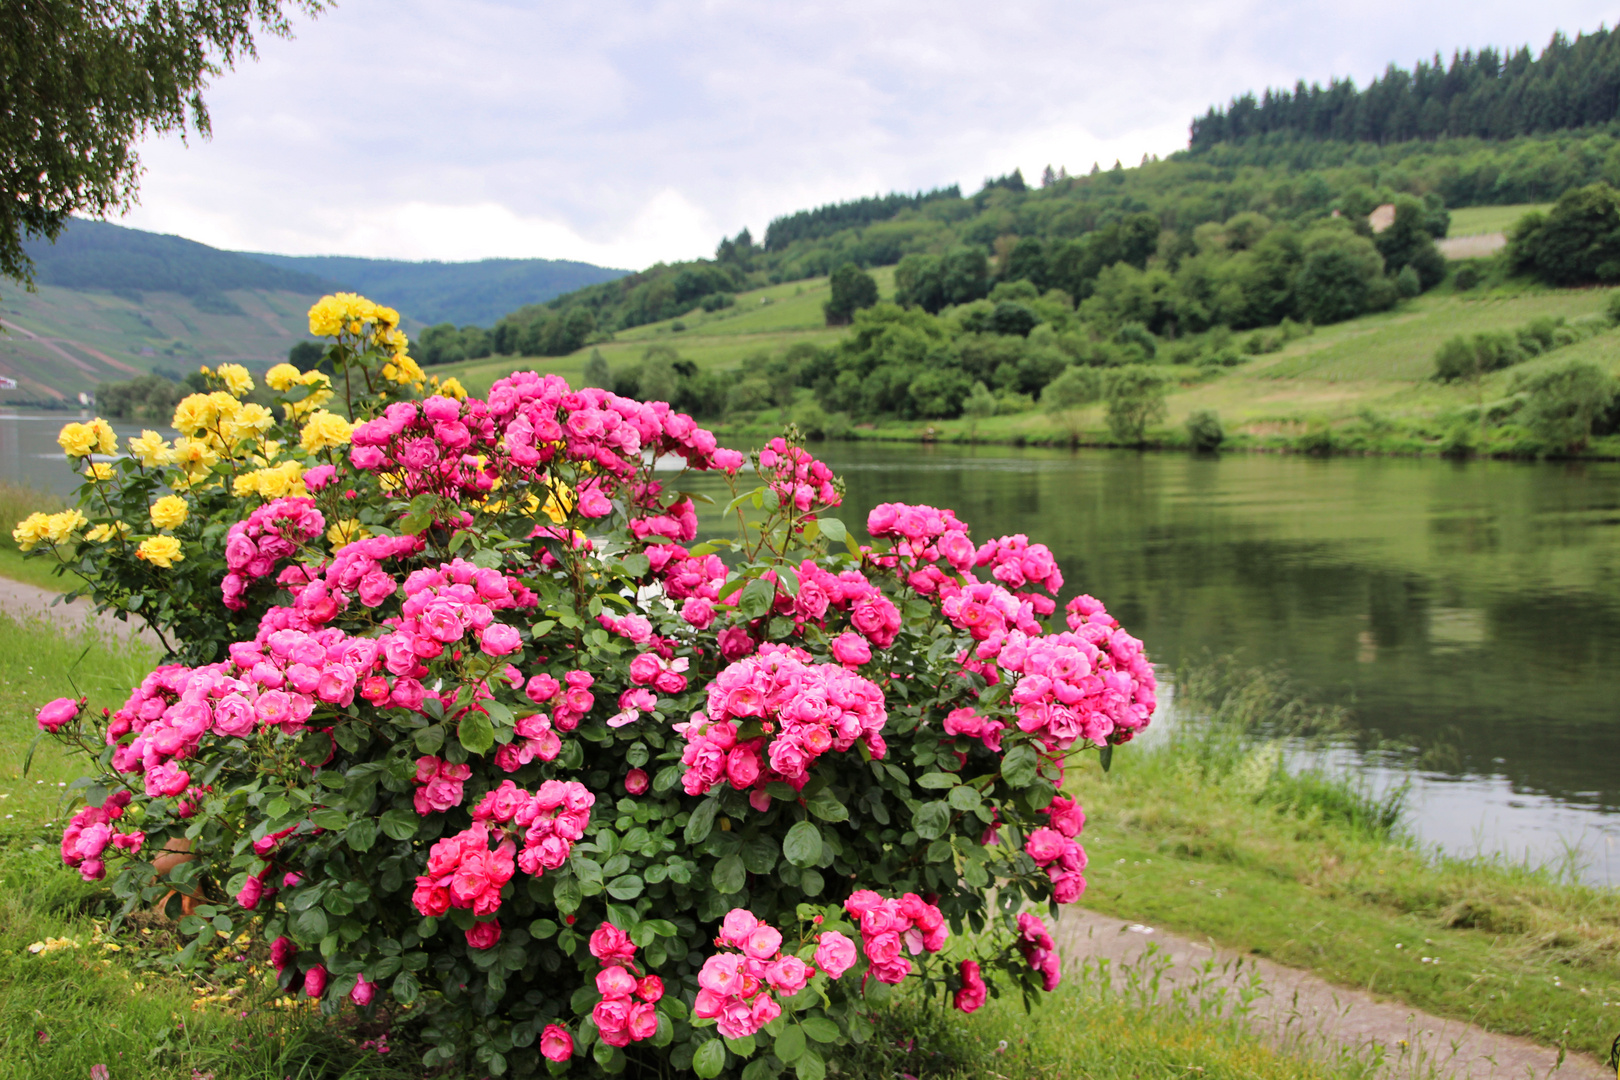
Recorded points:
(1469, 614)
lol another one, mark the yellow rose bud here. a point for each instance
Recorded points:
(151, 450)
(103, 533)
(161, 551)
(452, 387)
(169, 512)
(99, 471)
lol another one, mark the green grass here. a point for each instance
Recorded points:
(1106, 1023)
(1474, 220)
(1205, 832)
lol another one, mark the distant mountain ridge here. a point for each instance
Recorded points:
(459, 292)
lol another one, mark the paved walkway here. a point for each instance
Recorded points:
(20, 599)
(1298, 1003)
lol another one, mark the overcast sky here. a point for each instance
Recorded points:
(624, 133)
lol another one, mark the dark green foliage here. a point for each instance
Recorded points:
(1407, 283)
(718, 301)
(306, 355)
(1012, 318)
(934, 282)
(98, 255)
(1135, 397)
(444, 344)
(1577, 243)
(1488, 94)
(1466, 277)
(1563, 403)
(1342, 276)
(596, 372)
(829, 219)
(663, 375)
(145, 398)
(1470, 357)
(85, 81)
(1204, 431)
(852, 289)
(1408, 243)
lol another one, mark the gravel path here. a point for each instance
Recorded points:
(1298, 1003)
(20, 599)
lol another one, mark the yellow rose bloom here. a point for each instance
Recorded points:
(324, 431)
(194, 455)
(225, 406)
(249, 421)
(99, 470)
(103, 533)
(194, 413)
(326, 318)
(558, 504)
(393, 340)
(272, 483)
(30, 530)
(161, 551)
(169, 512)
(282, 377)
(77, 440)
(404, 370)
(345, 531)
(106, 437)
(236, 378)
(452, 387)
(151, 450)
(59, 527)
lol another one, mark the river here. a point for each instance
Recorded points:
(1468, 614)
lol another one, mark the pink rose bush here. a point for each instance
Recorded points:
(464, 678)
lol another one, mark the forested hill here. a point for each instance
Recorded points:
(1487, 95)
(465, 292)
(100, 255)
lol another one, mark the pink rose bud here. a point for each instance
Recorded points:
(315, 981)
(252, 891)
(57, 713)
(484, 935)
(364, 990)
(635, 781)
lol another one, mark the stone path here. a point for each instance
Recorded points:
(1298, 1003)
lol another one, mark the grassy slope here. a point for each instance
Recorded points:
(1475, 220)
(99, 336)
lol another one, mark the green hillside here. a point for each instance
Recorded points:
(476, 293)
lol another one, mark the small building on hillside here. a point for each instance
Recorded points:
(1382, 218)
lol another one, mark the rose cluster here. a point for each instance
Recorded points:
(1015, 562)
(463, 872)
(625, 1014)
(551, 821)
(91, 832)
(270, 535)
(1040, 950)
(438, 784)
(810, 708)
(891, 928)
(796, 477)
(1055, 850)
(871, 613)
(923, 535)
(734, 988)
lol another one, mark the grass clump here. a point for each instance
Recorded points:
(1209, 831)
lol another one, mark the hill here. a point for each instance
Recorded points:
(476, 293)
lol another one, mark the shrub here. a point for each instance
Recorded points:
(1466, 277)
(1135, 397)
(1563, 402)
(1204, 431)
(490, 736)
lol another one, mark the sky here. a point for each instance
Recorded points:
(623, 133)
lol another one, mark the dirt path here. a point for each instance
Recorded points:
(18, 599)
(1297, 1002)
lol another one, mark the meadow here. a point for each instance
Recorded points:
(1477, 220)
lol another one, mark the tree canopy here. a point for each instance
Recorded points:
(81, 81)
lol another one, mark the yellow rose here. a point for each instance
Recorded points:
(194, 455)
(345, 531)
(106, 438)
(324, 431)
(194, 413)
(169, 512)
(452, 387)
(30, 530)
(281, 378)
(161, 551)
(236, 378)
(392, 339)
(405, 370)
(77, 440)
(326, 318)
(249, 421)
(225, 406)
(151, 450)
(59, 527)
(99, 470)
(102, 533)
(558, 504)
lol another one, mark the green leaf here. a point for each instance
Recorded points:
(311, 924)
(406, 988)
(709, 1059)
(330, 819)
(476, 733)
(803, 844)
(825, 805)
(636, 565)
(931, 820)
(627, 887)
(936, 780)
(400, 824)
(430, 738)
(790, 1044)
(743, 1047)
(810, 1066)
(1105, 755)
(1018, 767)
(833, 529)
(757, 597)
(730, 874)
(963, 798)
(701, 822)
(821, 1029)
(759, 854)
(362, 834)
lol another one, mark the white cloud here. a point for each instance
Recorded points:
(627, 133)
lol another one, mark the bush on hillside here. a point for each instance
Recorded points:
(477, 728)
(852, 289)
(1204, 431)
(1563, 403)
(1576, 243)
